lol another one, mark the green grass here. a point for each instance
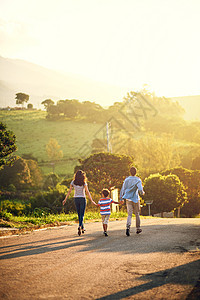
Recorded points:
(33, 132)
(29, 222)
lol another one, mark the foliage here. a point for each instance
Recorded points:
(21, 98)
(30, 106)
(47, 103)
(22, 174)
(15, 207)
(105, 170)
(35, 173)
(51, 199)
(51, 181)
(73, 133)
(7, 145)
(191, 181)
(17, 174)
(53, 150)
(167, 192)
(153, 154)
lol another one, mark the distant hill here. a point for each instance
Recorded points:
(191, 104)
(42, 83)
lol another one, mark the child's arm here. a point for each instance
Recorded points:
(118, 202)
(70, 189)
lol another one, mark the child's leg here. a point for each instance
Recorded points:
(105, 226)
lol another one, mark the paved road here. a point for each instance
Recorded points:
(161, 263)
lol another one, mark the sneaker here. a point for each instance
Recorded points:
(105, 233)
(79, 231)
(139, 231)
(83, 230)
(128, 232)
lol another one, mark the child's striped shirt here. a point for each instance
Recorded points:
(104, 204)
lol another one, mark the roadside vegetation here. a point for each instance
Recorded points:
(41, 150)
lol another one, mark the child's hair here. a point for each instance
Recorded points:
(105, 192)
(80, 178)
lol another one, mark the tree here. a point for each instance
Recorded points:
(35, 172)
(69, 108)
(17, 174)
(167, 192)
(153, 154)
(47, 103)
(53, 151)
(53, 112)
(105, 170)
(30, 106)
(21, 98)
(7, 145)
(191, 181)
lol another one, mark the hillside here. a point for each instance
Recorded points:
(33, 132)
(41, 83)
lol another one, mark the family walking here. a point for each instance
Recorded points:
(130, 192)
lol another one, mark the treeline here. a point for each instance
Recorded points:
(142, 111)
(171, 190)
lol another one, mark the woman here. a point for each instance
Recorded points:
(79, 183)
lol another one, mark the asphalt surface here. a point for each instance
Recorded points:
(163, 262)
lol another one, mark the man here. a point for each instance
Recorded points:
(130, 191)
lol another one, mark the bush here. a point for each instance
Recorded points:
(15, 207)
(52, 200)
(11, 188)
(5, 215)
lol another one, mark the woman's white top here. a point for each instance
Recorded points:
(79, 191)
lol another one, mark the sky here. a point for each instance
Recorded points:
(126, 43)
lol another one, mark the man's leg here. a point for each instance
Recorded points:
(129, 206)
(137, 216)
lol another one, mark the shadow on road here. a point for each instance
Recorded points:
(150, 241)
(178, 275)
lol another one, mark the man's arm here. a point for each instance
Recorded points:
(140, 188)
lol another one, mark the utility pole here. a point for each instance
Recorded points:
(108, 126)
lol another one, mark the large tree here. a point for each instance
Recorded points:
(47, 103)
(7, 145)
(21, 98)
(105, 170)
(167, 192)
(191, 181)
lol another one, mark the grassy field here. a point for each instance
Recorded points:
(33, 132)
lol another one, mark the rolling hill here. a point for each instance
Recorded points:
(42, 83)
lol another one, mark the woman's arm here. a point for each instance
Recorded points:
(70, 189)
(88, 193)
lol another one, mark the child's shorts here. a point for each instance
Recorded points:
(105, 219)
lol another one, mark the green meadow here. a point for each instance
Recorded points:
(33, 132)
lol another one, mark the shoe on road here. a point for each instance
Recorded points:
(139, 231)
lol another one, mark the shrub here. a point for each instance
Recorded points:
(15, 207)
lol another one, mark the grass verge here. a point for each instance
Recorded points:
(20, 224)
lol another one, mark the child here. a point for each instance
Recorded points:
(104, 204)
